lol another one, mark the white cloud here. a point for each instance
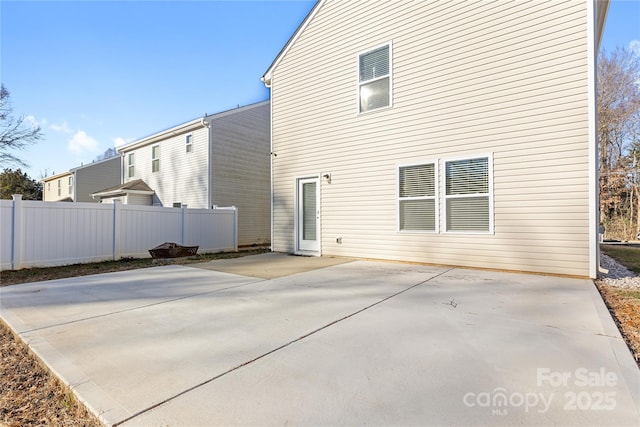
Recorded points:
(634, 46)
(82, 143)
(119, 141)
(64, 127)
(34, 122)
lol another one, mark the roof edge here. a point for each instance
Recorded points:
(185, 127)
(266, 77)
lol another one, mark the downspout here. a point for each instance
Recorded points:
(207, 125)
(594, 211)
(272, 155)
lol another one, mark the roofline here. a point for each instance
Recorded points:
(602, 10)
(95, 163)
(266, 77)
(121, 191)
(185, 127)
(58, 175)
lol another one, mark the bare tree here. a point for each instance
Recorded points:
(15, 134)
(619, 141)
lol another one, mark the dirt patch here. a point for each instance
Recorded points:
(28, 275)
(30, 394)
(624, 306)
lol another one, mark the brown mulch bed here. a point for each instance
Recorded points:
(624, 306)
(32, 396)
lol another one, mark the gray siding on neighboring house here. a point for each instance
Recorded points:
(241, 172)
(509, 79)
(94, 177)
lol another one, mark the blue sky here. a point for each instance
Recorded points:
(94, 74)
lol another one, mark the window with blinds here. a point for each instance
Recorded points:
(467, 195)
(417, 197)
(374, 83)
(155, 158)
(131, 164)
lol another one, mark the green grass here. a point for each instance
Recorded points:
(629, 294)
(625, 255)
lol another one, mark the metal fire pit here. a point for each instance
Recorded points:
(172, 250)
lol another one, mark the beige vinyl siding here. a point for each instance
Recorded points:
(182, 176)
(95, 177)
(469, 78)
(241, 177)
(50, 193)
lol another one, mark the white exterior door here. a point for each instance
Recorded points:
(308, 215)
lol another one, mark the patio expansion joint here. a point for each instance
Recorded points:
(255, 359)
(98, 316)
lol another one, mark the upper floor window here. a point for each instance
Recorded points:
(374, 82)
(189, 143)
(70, 189)
(155, 158)
(59, 187)
(131, 165)
(468, 205)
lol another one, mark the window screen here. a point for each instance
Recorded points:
(155, 158)
(467, 195)
(375, 80)
(417, 191)
(130, 164)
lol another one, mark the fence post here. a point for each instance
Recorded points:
(17, 233)
(184, 225)
(117, 225)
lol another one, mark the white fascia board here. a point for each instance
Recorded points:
(121, 192)
(57, 176)
(88, 165)
(182, 128)
(266, 78)
(210, 117)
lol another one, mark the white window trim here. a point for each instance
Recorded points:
(296, 219)
(435, 197)
(359, 83)
(153, 158)
(188, 143)
(131, 165)
(443, 189)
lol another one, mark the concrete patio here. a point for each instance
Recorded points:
(270, 340)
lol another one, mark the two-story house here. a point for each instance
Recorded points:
(220, 159)
(77, 184)
(448, 132)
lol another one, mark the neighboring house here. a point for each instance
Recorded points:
(58, 187)
(218, 160)
(79, 183)
(446, 132)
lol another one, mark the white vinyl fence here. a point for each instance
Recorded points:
(34, 233)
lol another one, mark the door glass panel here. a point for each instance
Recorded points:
(309, 211)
